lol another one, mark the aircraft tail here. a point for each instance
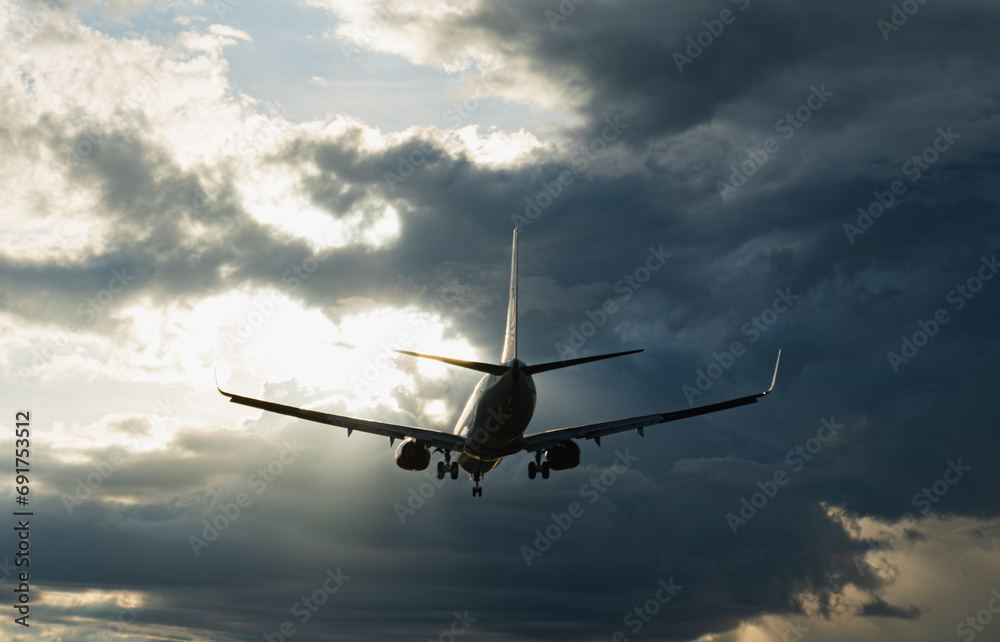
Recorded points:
(510, 338)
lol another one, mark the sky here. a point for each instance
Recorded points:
(296, 189)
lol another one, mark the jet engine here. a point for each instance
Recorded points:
(563, 456)
(413, 455)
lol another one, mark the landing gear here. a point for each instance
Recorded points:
(447, 467)
(477, 490)
(538, 466)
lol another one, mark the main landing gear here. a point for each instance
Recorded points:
(450, 468)
(538, 466)
(447, 467)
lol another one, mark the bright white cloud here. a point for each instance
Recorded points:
(229, 32)
(408, 29)
(439, 35)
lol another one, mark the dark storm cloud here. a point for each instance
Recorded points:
(785, 229)
(625, 56)
(881, 608)
(682, 538)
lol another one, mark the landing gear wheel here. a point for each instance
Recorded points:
(477, 490)
(532, 470)
(447, 467)
(545, 470)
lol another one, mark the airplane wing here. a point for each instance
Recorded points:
(549, 438)
(435, 438)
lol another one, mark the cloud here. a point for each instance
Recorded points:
(122, 10)
(161, 211)
(881, 608)
(229, 32)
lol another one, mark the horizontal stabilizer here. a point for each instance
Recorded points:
(555, 365)
(489, 368)
(499, 369)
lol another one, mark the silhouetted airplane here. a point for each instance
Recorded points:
(493, 422)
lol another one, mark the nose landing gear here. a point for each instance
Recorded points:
(450, 468)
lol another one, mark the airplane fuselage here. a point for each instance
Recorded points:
(495, 418)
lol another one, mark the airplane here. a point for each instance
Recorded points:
(493, 423)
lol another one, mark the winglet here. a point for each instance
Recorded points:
(215, 371)
(775, 377)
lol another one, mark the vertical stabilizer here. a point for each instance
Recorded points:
(510, 339)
